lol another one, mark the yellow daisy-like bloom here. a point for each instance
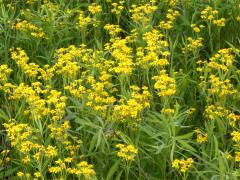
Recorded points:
(27, 27)
(20, 174)
(126, 152)
(55, 170)
(165, 85)
(208, 13)
(235, 136)
(94, 8)
(201, 137)
(182, 165)
(237, 156)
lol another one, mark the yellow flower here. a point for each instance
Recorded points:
(214, 111)
(55, 170)
(117, 7)
(222, 60)
(168, 111)
(94, 8)
(220, 22)
(170, 18)
(238, 18)
(192, 44)
(20, 174)
(156, 53)
(37, 174)
(233, 118)
(221, 88)
(142, 13)
(84, 21)
(228, 155)
(4, 73)
(196, 28)
(122, 55)
(133, 107)
(201, 137)
(29, 28)
(208, 13)
(237, 156)
(86, 169)
(165, 85)
(182, 165)
(126, 152)
(113, 30)
(51, 151)
(235, 136)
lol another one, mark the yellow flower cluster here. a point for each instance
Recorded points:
(90, 18)
(76, 89)
(98, 96)
(18, 132)
(220, 88)
(21, 58)
(165, 85)
(58, 104)
(236, 139)
(142, 14)
(32, 70)
(122, 55)
(36, 108)
(201, 137)
(66, 64)
(233, 119)
(113, 30)
(84, 21)
(220, 22)
(235, 136)
(210, 15)
(182, 165)
(156, 53)
(4, 157)
(28, 176)
(94, 8)
(82, 168)
(192, 44)
(191, 111)
(71, 87)
(238, 18)
(237, 156)
(215, 111)
(126, 152)
(5, 71)
(27, 27)
(23, 138)
(172, 3)
(170, 18)
(196, 28)
(132, 107)
(168, 111)
(223, 60)
(117, 7)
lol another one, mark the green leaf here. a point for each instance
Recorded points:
(186, 146)
(113, 169)
(87, 123)
(185, 136)
(8, 173)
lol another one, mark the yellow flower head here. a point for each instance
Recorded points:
(126, 152)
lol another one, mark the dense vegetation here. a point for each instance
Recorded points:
(129, 89)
